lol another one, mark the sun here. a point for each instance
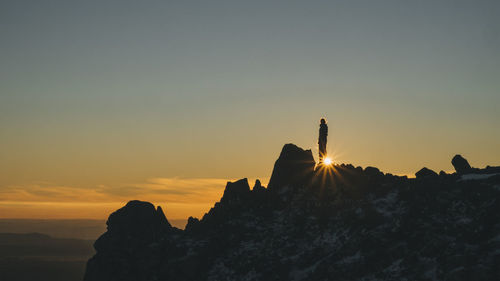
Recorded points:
(327, 161)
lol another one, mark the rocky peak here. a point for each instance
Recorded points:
(191, 224)
(258, 187)
(425, 173)
(294, 166)
(236, 191)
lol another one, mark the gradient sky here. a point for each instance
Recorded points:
(106, 101)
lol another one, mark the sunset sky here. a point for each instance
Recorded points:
(104, 101)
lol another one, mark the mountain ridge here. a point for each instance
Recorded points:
(317, 222)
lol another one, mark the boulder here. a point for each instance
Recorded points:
(131, 231)
(136, 217)
(461, 165)
(137, 222)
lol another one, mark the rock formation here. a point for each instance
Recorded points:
(294, 166)
(340, 224)
(127, 243)
(460, 164)
(425, 173)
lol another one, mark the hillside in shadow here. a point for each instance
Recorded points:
(34, 256)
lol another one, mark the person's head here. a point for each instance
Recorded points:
(323, 121)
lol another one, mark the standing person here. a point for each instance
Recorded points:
(323, 133)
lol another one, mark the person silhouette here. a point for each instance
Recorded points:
(323, 133)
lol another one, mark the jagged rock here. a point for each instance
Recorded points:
(237, 198)
(460, 164)
(425, 173)
(258, 187)
(162, 218)
(369, 226)
(347, 166)
(236, 191)
(192, 224)
(294, 166)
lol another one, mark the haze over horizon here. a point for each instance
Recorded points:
(102, 102)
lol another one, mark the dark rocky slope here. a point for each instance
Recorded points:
(342, 223)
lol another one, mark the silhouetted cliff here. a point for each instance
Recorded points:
(337, 223)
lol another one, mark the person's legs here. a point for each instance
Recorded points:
(322, 150)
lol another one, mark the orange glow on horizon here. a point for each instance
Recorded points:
(179, 198)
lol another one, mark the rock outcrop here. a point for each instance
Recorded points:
(460, 164)
(258, 187)
(425, 173)
(294, 166)
(236, 191)
(125, 250)
(339, 223)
